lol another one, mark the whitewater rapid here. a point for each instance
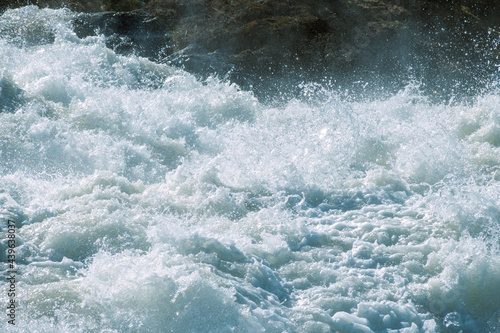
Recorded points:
(146, 200)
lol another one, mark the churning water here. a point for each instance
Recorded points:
(146, 200)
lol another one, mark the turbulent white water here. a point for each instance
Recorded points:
(148, 201)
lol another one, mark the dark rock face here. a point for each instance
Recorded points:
(128, 32)
(255, 40)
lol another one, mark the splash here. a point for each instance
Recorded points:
(150, 201)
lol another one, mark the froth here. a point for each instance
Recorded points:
(150, 201)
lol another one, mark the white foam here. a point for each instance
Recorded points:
(147, 200)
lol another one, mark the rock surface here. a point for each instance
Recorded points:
(254, 40)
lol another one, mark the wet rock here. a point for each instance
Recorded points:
(128, 32)
(91, 6)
